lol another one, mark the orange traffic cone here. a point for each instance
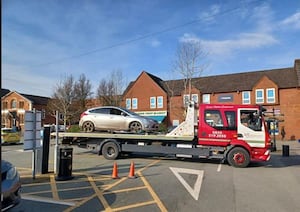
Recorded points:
(131, 171)
(115, 171)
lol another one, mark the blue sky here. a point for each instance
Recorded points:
(44, 41)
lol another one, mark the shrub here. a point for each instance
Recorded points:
(74, 128)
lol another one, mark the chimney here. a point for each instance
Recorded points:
(297, 69)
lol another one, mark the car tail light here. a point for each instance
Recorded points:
(83, 114)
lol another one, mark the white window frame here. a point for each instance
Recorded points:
(43, 113)
(246, 101)
(195, 98)
(152, 102)
(128, 103)
(259, 100)
(160, 102)
(134, 103)
(272, 98)
(206, 98)
(186, 99)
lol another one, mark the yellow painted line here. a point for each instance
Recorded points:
(53, 187)
(125, 190)
(151, 164)
(134, 206)
(99, 194)
(81, 203)
(91, 197)
(153, 194)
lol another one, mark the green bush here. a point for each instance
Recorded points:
(74, 128)
(162, 128)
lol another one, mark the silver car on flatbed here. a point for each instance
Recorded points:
(111, 118)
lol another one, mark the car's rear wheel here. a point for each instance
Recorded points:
(110, 151)
(88, 126)
(135, 127)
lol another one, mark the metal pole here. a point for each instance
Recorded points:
(34, 144)
(56, 144)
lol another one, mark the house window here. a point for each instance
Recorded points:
(259, 96)
(13, 104)
(186, 99)
(271, 95)
(134, 103)
(152, 102)
(128, 103)
(246, 97)
(206, 98)
(195, 98)
(21, 105)
(160, 102)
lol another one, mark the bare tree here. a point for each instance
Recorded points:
(109, 90)
(82, 91)
(62, 98)
(69, 98)
(188, 62)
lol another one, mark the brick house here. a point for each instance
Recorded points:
(278, 90)
(15, 104)
(147, 96)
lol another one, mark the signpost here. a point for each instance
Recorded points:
(32, 135)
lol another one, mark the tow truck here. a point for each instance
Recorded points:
(233, 133)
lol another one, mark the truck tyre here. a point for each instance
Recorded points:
(135, 127)
(88, 126)
(238, 157)
(110, 151)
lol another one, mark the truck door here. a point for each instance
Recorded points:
(214, 127)
(250, 127)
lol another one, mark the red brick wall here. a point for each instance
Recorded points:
(21, 111)
(290, 107)
(265, 83)
(144, 88)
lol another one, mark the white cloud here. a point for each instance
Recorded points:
(243, 41)
(292, 21)
(209, 16)
(262, 17)
(23, 81)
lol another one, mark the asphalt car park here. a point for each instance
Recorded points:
(161, 184)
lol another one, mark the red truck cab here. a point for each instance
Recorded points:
(240, 129)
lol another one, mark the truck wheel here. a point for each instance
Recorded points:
(238, 157)
(110, 151)
(135, 127)
(88, 126)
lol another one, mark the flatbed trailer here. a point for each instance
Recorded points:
(196, 137)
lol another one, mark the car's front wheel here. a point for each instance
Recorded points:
(135, 127)
(88, 126)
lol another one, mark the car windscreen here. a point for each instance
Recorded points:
(130, 112)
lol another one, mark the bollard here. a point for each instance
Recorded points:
(285, 150)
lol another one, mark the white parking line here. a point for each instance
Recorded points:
(219, 167)
(46, 200)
